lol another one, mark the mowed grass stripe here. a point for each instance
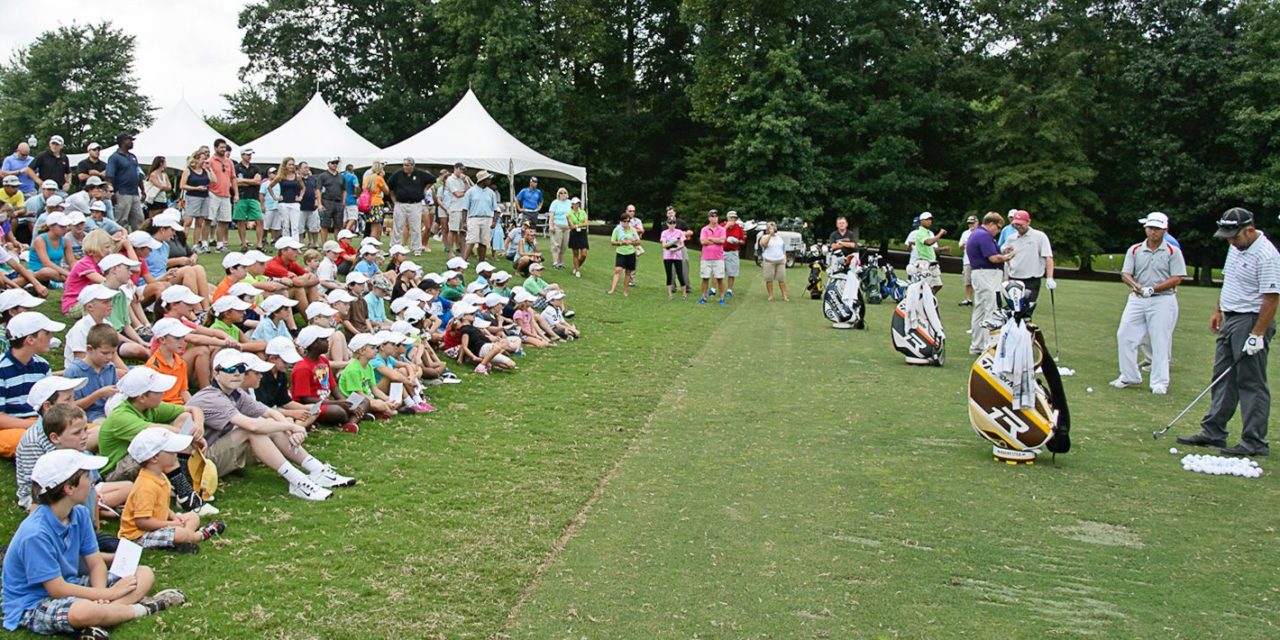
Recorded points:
(810, 484)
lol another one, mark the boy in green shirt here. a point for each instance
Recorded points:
(229, 311)
(359, 377)
(452, 290)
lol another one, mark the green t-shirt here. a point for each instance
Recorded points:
(534, 285)
(577, 218)
(119, 317)
(356, 378)
(620, 234)
(228, 329)
(452, 293)
(252, 279)
(124, 423)
(927, 252)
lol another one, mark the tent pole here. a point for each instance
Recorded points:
(511, 189)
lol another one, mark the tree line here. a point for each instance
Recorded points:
(1088, 113)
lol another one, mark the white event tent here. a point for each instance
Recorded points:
(314, 135)
(175, 135)
(468, 134)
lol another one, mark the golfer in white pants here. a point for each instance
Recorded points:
(987, 261)
(1153, 269)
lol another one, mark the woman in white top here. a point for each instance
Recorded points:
(774, 251)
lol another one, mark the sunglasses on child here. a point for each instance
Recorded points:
(239, 368)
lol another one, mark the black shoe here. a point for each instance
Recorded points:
(93, 633)
(187, 547)
(1201, 440)
(1240, 451)
(966, 303)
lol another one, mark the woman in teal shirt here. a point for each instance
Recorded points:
(559, 223)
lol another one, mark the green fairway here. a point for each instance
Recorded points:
(744, 472)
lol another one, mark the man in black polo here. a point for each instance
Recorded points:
(248, 207)
(842, 240)
(408, 191)
(333, 198)
(53, 164)
(91, 166)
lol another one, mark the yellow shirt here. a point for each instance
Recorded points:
(148, 499)
(16, 200)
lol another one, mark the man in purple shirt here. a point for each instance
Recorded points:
(986, 261)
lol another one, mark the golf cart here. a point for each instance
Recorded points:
(790, 230)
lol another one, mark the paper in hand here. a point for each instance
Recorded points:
(396, 392)
(128, 554)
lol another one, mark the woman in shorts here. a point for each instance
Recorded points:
(773, 249)
(195, 187)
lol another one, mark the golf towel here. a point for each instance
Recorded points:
(1016, 361)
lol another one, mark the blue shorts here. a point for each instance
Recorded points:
(51, 615)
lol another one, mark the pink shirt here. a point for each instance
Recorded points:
(223, 169)
(76, 282)
(524, 318)
(669, 236)
(712, 251)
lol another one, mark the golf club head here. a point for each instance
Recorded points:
(1156, 434)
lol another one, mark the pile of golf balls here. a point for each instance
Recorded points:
(1222, 466)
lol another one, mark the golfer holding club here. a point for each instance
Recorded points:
(1153, 269)
(1245, 323)
(1032, 258)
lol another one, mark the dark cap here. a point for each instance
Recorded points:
(1233, 222)
(459, 165)
(713, 212)
(971, 219)
(124, 136)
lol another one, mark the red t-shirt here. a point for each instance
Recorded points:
(310, 377)
(734, 232)
(348, 251)
(452, 337)
(278, 268)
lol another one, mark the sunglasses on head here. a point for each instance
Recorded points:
(239, 368)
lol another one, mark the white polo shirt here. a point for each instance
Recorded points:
(1029, 251)
(1248, 275)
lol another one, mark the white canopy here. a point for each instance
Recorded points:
(314, 135)
(468, 134)
(175, 135)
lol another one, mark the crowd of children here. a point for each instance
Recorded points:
(164, 387)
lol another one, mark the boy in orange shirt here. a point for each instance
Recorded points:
(237, 265)
(146, 518)
(169, 334)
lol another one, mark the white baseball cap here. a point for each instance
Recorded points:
(397, 248)
(434, 277)
(320, 309)
(283, 347)
(141, 380)
(30, 322)
(75, 217)
(180, 293)
(171, 327)
(144, 240)
(926, 216)
(166, 219)
(229, 303)
(275, 302)
(481, 323)
(355, 277)
(524, 296)
(475, 287)
(340, 295)
(554, 295)
(311, 333)
(116, 259)
(371, 241)
(495, 299)
(47, 387)
(473, 300)
(346, 233)
(537, 266)
(151, 441)
(483, 266)
(18, 297)
(361, 340)
(57, 217)
(385, 336)
(456, 263)
(236, 259)
(10, 181)
(403, 328)
(1155, 219)
(417, 295)
(332, 245)
(287, 243)
(96, 292)
(57, 201)
(93, 206)
(258, 256)
(255, 363)
(449, 275)
(241, 289)
(228, 358)
(400, 304)
(461, 308)
(49, 184)
(409, 266)
(368, 249)
(501, 276)
(56, 139)
(415, 314)
(57, 466)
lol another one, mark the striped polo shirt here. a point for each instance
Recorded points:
(1246, 276)
(16, 379)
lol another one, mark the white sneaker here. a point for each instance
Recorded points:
(1159, 390)
(206, 510)
(1119, 383)
(329, 477)
(309, 491)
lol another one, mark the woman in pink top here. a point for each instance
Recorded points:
(85, 271)
(673, 258)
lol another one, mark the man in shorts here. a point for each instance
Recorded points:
(972, 223)
(248, 208)
(479, 207)
(926, 244)
(734, 237)
(272, 222)
(350, 212)
(455, 187)
(712, 263)
(333, 198)
(221, 195)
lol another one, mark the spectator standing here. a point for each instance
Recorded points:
(1032, 258)
(19, 164)
(333, 198)
(53, 164)
(124, 173)
(194, 182)
(1153, 269)
(156, 189)
(289, 181)
(773, 250)
(557, 225)
(711, 266)
(636, 225)
(222, 192)
(247, 211)
(309, 205)
(733, 239)
(375, 183)
(529, 202)
(1244, 320)
(479, 207)
(271, 226)
(408, 190)
(971, 223)
(625, 239)
(987, 260)
(926, 248)
(92, 166)
(673, 240)
(579, 242)
(350, 211)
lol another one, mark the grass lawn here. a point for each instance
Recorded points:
(698, 471)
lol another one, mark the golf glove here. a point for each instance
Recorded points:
(1253, 345)
(1051, 284)
(1147, 292)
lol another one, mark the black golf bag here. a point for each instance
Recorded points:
(872, 279)
(814, 288)
(842, 301)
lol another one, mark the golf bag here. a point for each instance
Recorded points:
(816, 272)
(842, 299)
(890, 287)
(1016, 398)
(872, 279)
(916, 327)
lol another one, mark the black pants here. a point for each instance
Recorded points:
(1033, 293)
(675, 271)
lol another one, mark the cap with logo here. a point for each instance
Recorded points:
(1233, 221)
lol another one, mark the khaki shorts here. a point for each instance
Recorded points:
(479, 231)
(456, 218)
(731, 264)
(219, 208)
(227, 455)
(967, 275)
(775, 270)
(711, 269)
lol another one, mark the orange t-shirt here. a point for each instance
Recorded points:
(375, 185)
(222, 288)
(149, 498)
(177, 369)
(224, 171)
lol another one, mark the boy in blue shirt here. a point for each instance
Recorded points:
(44, 591)
(98, 367)
(274, 311)
(368, 264)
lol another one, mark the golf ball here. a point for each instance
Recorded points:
(1090, 390)
(1173, 451)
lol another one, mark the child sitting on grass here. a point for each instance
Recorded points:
(368, 264)
(170, 334)
(360, 377)
(275, 309)
(20, 368)
(229, 311)
(376, 302)
(45, 591)
(45, 394)
(97, 368)
(389, 365)
(474, 344)
(356, 318)
(554, 316)
(312, 381)
(530, 332)
(147, 519)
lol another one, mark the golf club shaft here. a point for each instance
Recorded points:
(1053, 306)
(1193, 402)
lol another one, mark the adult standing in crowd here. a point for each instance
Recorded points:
(1244, 320)
(124, 173)
(673, 240)
(926, 244)
(194, 183)
(637, 226)
(579, 242)
(156, 189)
(842, 240)
(19, 164)
(456, 187)
(1032, 258)
(408, 191)
(672, 214)
(309, 205)
(711, 265)
(248, 207)
(221, 192)
(625, 239)
(333, 199)
(773, 250)
(734, 236)
(529, 202)
(375, 183)
(92, 166)
(351, 210)
(1153, 269)
(53, 164)
(558, 226)
(289, 180)
(435, 217)
(479, 207)
(987, 261)
(966, 275)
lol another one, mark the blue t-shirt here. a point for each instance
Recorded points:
(110, 227)
(123, 172)
(16, 380)
(97, 380)
(42, 549)
(381, 361)
(352, 183)
(265, 330)
(158, 260)
(270, 198)
(13, 163)
(377, 307)
(368, 268)
(529, 198)
(560, 212)
(1005, 233)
